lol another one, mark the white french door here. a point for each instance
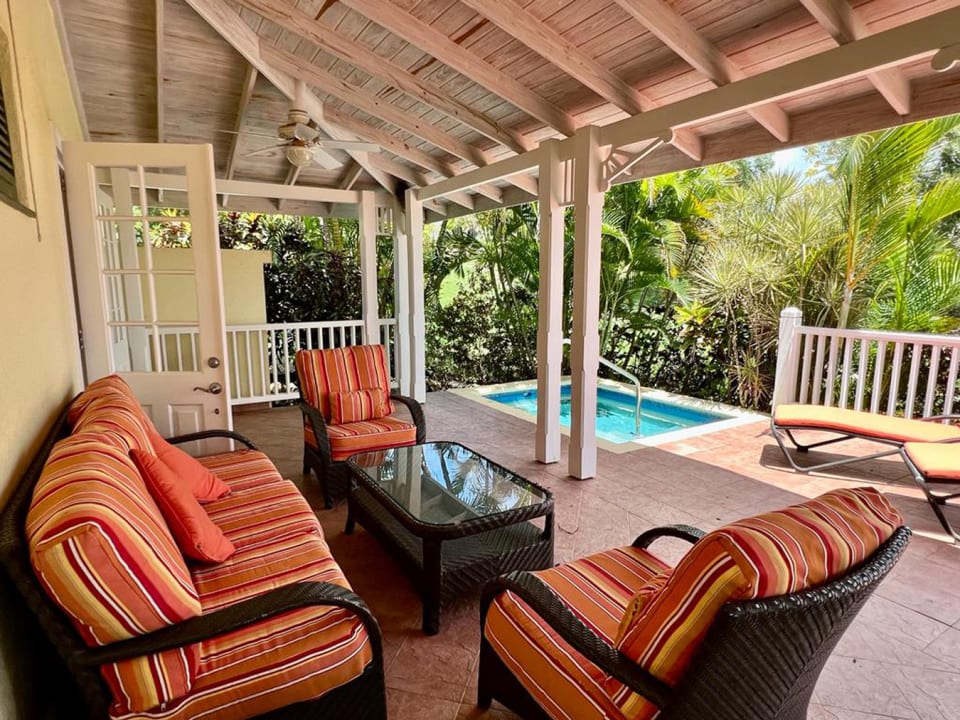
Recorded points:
(149, 279)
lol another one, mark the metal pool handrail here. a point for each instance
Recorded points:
(629, 376)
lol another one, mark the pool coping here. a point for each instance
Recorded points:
(739, 416)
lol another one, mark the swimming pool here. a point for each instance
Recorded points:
(616, 412)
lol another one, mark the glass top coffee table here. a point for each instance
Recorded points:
(450, 517)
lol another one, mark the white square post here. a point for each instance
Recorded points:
(550, 310)
(417, 330)
(368, 267)
(401, 299)
(585, 338)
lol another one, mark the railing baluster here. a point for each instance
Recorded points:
(818, 370)
(262, 360)
(878, 376)
(179, 341)
(895, 370)
(951, 387)
(249, 353)
(274, 388)
(236, 364)
(912, 382)
(845, 370)
(286, 356)
(932, 373)
(807, 340)
(194, 355)
(864, 360)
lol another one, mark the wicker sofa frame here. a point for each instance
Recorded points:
(363, 697)
(759, 661)
(334, 477)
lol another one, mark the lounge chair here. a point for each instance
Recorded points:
(739, 629)
(855, 424)
(935, 463)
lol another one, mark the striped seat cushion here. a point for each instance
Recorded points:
(597, 589)
(290, 658)
(379, 434)
(769, 555)
(356, 367)
(863, 424)
(101, 549)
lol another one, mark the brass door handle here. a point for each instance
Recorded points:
(213, 388)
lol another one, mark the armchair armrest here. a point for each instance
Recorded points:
(247, 612)
(319, 425)
(684, 532)
(416, 411)
(529, 588)
(204, 434)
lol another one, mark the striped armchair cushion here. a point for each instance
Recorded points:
(773, 554)
(104, 554)
(358, 406)
(356, 367)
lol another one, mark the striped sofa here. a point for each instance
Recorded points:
(272, 631)
(348, 408)
(738, 629)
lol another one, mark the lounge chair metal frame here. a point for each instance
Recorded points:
(760, 659)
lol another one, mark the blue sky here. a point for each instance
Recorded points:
(792, 159)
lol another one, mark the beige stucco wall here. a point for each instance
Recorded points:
(244, 299)
(39, 358)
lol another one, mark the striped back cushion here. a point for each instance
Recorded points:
(106, 386)
(357, 406)
(119, 419)
(338, 370)
(104, 554)
(773, 554)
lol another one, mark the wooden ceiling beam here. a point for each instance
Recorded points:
(520, 24)
(417, 178)
(228, 24)
(293, 173)
(374, 105)
(160, 32)
(305, 26)
(246, 95)
(438, 45)
(845, 25)
(677, 33)
(350, 176)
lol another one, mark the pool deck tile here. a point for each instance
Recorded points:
(899, 659)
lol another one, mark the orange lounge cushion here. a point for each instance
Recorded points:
(104, 554)
(385, 432)
(205, 485)
(936, 462)
(777, 553)
(597, 589)
(357, 405)
(864, 424)
(102, 387)
(323, 372)
(118, 418)
(196, 534)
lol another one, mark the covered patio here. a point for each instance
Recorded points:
(899, 659)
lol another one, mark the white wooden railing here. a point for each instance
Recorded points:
(889, 373)
(260, 356)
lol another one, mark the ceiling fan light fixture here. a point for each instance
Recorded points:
(298, 155)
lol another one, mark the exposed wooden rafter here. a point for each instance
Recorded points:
(677, 33)
(349, 176)
(438, 45)
(159, 23)
(845, 25)
(293, 173)
(228, 24)
(246, 94)
(516, 21)
(305, 26)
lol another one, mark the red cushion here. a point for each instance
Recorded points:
(196, 534)
(206, 486)
(357, 405)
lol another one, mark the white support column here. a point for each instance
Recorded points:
(368, 267)
(401, 297)
(788, 358)
(417, 330)
(550, 310)
(585, 338)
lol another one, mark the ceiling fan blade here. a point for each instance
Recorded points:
(325, 159)
(248, 132)
(348, 145)
(263, 150)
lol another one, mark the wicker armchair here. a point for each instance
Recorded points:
(758, 659)
(326, 376)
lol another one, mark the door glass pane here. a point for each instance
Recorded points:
(132, 351)
(118, 190)
(176, 298)
(127, 298)
(179, 349)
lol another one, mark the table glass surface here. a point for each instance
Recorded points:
(444, 483)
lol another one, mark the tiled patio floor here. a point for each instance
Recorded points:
(900, 659)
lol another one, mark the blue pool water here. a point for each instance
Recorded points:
(615, 413)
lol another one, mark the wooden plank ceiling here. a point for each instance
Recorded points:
(444, 86)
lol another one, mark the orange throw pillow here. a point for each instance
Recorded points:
(205, 485)
(196, 534)
(357, 406)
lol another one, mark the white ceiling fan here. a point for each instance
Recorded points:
(302, 142)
